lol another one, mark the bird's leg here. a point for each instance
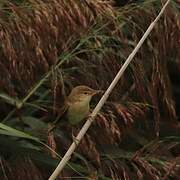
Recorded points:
(53, 124)
(51, 127)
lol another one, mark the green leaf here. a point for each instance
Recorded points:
(34, 123)
(14, 132)
(10, 100)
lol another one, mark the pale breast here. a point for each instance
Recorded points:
(77, 112)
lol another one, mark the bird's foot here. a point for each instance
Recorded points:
(51, 127)
(75, 140)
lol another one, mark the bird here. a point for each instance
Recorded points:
(75, 109)
(77, 104)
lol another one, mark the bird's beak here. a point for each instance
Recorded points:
(97, 92)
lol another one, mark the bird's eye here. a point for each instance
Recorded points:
(85, 93)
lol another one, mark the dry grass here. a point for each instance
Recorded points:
(34, 38)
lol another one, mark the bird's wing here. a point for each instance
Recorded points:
(62, 111)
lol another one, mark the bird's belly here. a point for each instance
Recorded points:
(77, 113)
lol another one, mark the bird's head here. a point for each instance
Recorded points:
(82, 93)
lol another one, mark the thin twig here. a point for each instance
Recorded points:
(3, 169)
(86, 126)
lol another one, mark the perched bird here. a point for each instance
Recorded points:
(76, 106)
(78, 103)
(75, 109)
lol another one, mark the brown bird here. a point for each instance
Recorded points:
(77, 104)
(75, 109)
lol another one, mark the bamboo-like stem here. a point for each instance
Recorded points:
(86, 126)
